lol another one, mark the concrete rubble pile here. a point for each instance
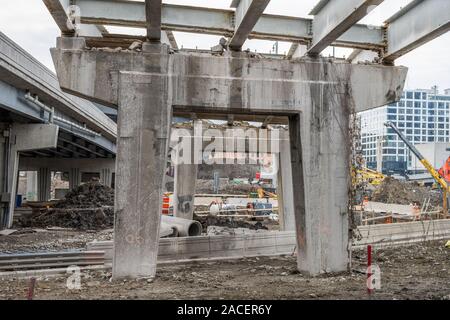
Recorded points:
(89, 206)
(399, 192)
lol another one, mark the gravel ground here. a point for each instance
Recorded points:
(420, 271)
(40, 240)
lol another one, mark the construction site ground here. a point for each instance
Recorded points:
(418, 271)
(56, 239)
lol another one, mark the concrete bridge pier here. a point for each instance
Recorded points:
(144, 120)
(44, 184)
(285, 193)
(184, 190)
(74, 178)
(4, 189)
(317, 95)
(106, 176)
(17, 138)
(320, 156)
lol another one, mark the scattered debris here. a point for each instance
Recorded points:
(211, 220)
(222, 231)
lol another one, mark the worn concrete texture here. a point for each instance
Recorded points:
(318, 95)
(184, 190)
(239, 83)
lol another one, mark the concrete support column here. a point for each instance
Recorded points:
(74, 178)
(23, 137)
(184, 190)
(284, 188)
(31, 186)
(5, 197)
(320, 155)
(106, 176)
(44, 184)
(144, 119)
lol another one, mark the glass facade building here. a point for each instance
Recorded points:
(422, 115)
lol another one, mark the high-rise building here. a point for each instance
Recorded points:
(422, 115)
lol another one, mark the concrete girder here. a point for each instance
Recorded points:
(58, 8)
(55, 164)
(332, 18)
(214, 77)
(318, 96)
(220, 22)
(247, 15)
(153, 19)
(12, 99)
(416, 24)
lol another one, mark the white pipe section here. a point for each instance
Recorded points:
(185, 227)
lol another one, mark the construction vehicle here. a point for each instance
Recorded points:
(444, 171)
(434, 173)
(370, 176)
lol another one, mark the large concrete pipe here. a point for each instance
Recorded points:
(185, 227)
(167, 231)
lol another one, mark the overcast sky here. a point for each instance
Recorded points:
(29, 24)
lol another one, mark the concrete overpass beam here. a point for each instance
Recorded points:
(247, 15)
(153, 17)
(332, 18)
(416, 24)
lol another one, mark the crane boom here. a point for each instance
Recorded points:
(419, 156)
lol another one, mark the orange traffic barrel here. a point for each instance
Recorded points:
(166, 205)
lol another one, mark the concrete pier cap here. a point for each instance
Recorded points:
(317, 95)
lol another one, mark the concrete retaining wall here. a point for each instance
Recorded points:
(279, 243)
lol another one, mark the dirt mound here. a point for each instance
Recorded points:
(395, 191)
(88, 207)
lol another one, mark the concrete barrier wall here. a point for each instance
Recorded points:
(215, 247)
(279, 243)
(398, 233)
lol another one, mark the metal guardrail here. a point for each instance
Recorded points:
(29, 261)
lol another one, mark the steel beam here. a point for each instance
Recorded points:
(219, 22)
(332, 18)
(11, 99)
(416, 24)
(58, 10)
(247, 15)
(153, 17)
